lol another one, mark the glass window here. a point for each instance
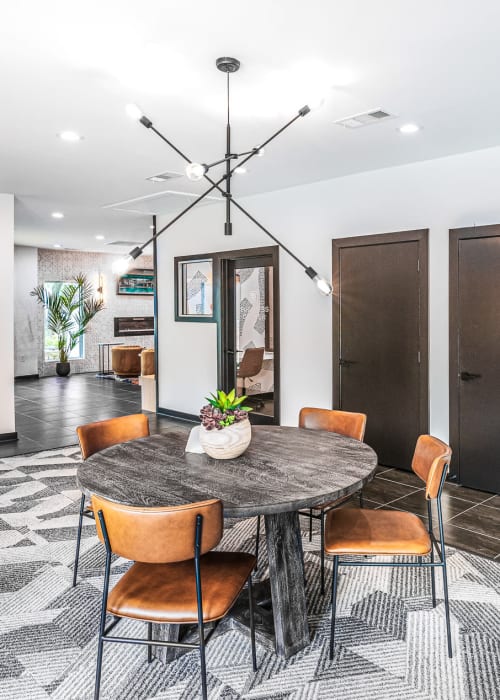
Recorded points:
(196, 289)
(51, 351)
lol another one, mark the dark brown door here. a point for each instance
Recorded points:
(380, 338)
(475, 356)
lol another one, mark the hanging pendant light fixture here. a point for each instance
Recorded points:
(234, 164)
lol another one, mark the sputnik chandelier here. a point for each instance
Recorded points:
(234, 163)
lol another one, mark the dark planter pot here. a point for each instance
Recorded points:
(63, 369)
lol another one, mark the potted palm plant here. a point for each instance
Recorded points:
(70, 307)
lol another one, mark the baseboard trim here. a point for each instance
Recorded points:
(27, 376)
(8, 437)
(170, 413)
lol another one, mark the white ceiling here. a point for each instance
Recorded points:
(75, 65)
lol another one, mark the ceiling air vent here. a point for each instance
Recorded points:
(163, 177)
(356, 121)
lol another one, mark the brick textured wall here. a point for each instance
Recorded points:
(59, 266)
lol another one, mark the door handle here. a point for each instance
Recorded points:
(230, 352)
(346, 363)
(468, 376)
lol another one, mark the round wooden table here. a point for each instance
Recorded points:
(283, 470)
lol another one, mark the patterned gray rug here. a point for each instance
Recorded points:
(391, 642)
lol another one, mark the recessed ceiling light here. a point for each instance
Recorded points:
(57, 215)
(57, 245)
(409, 128)
(70, 136)
(100, 238)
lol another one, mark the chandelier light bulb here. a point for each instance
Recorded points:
(323, 286)
(133, 111)
(240, 170)
(120, 266)
(195, 171)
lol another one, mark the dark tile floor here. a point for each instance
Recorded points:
(48, 411)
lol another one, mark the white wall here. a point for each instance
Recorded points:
(25, 311)
(446, 193)
(7, 417)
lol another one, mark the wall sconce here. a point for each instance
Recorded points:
(100, 287)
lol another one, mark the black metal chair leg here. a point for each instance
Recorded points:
(78, 538)
(447, 608)
(433, 579)
(98, 669)
(257, 541)
(361, 500)
(100, 644)
(334, 604)
(150, 647)
(322, 522)
(203, 666)
(310, 524)
(252, 622)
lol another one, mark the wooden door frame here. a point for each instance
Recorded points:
(421, 236)
(456, 235)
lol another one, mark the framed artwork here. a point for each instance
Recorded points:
(135, 283)
(194, 289)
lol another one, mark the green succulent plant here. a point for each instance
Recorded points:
(223, 410)
(227, 402)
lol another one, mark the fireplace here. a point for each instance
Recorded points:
(134, 325)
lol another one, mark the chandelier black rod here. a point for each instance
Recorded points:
(139, 249)
(228, 227)
(145, 121)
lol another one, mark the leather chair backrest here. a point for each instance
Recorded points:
(431, 457)
(342, 422)
(251, 362)
(96, 436)
(159, 535)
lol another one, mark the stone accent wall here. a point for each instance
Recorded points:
(62, 266)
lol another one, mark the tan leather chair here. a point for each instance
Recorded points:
(176, 577)
(94, 437)
(363, 532)
(126, 360)
(251, 364)
(343, 423)
(148, 362)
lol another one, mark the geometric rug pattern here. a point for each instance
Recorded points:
(391, 643)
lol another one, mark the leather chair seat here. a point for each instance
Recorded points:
(167, 592)
(362, 531)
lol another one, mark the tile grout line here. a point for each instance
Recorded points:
(415, 488)
(475, 532)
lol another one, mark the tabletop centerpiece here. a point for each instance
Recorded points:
(225, 430)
